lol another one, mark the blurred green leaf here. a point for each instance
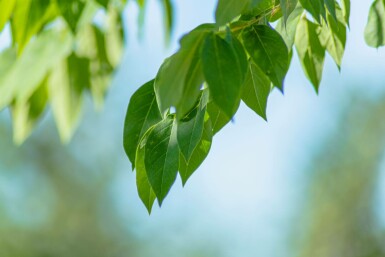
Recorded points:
(375, 29)
(6, 9)
(287, 7)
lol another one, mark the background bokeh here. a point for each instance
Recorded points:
(309, 182)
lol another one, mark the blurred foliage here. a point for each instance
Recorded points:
(60, 50)
(340, 216)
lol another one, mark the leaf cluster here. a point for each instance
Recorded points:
(172, 119)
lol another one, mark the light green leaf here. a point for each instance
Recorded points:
(190, 129)
(310, 51)
(28, 19)
(179, 79)
(227, 10)
(187, 168)
(162, 157)
(25, 114)
(66, 84)
(333, 38)
(289, 29)
(268, 50)
(142, 113)
(315, 7)
(49, 48)
(287, 7)
(145, 191)
(256, 90)
(375, 28)
(6, 7)
(346, 10)
(223, 72)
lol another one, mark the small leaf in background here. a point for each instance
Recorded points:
(346, 10)
(145, 191)
(190, 130)
(168, 11)
(6, 9)
(223, 73)
(218, 118)
(187, 168)
(142, 113)
(289, 29)
(29, 18)
(49, 48)
(375, 28)
(162, 157)
(287, 7)
(269, 51)
(310, 51)
(72, 10)
(26, 113)
(256, 90)
(227, 10)
(315, 7)
(66, 85)
(333, 38)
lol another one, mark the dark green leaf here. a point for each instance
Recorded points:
(187, 168)
(223, 72)
(145, 191)
(142, 113)
(162, 157)
(256, 90)
(268, 50)
(72, 10)
(331, 6)
(315, 7)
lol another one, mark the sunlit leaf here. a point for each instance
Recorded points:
(227, 10)
(375, 29)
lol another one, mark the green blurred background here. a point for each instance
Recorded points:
(310, 182)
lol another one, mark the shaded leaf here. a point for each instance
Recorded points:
(287, 7)
(162, 157)
(142, 113)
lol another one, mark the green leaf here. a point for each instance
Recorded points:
(346, 10)
(145, 191)
(168, 11)
(310, 51)
(287, 7)
(25, 114)
(190, 129)
(218, 118)
(256, 90)
(162, 157)
(66, 84)
(268, 50)
(331, 6)
(6, 7)
(187, 168)
(333, 38)
(224, 73)
(315, 7)
(179, 79)
(71, 10)
(142, 113)
(289, 29)
(49, 48)
(375, 28)
(227, 10)
(28, 19)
